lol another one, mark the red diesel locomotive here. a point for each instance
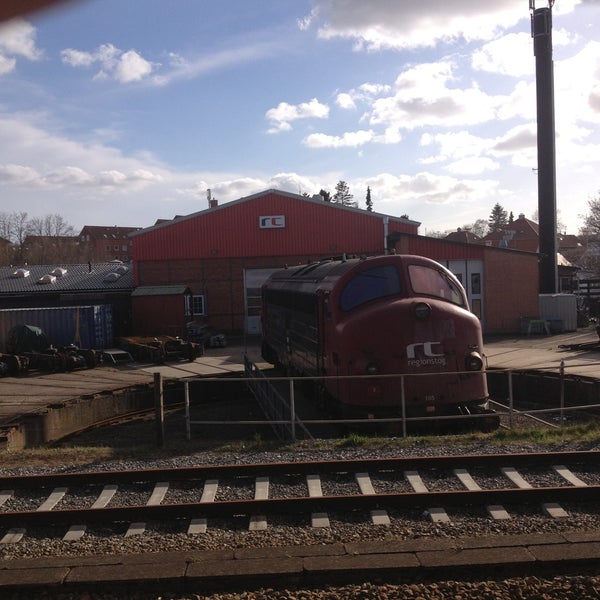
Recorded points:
(357, 324)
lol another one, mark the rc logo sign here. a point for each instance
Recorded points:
(272, 222)
(430, 357)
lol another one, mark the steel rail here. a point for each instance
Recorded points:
(584, 457)
(304, 505)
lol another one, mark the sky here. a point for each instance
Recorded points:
(122, 113)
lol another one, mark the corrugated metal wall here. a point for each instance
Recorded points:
(84, 326)
(232, 230)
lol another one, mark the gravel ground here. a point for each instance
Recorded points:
(297, 531)
(527, 588)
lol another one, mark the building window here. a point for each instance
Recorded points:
(124, 248)
(197, 302)
(476, 283)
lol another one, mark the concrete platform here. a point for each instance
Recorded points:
(543, 353)
(39, 407)
(244, 569)
(89, 395)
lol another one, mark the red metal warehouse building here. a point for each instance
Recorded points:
(208, 267)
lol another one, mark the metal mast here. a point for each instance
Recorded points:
(541, 31)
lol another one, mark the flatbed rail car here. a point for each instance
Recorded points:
(353, 324)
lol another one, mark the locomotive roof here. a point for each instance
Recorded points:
(316, 273)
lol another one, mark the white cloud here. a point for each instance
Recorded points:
(7, 65)
(383, 24)
(423, 97)
(345, 101)
(456, 145)
(125, 67)
(132, 67)
(284, 114)
(68, 176)
(473, 165)
(17, 174)
(505, 55)
(188, 67)
(77, 58)
(17, 39)
(350, 139)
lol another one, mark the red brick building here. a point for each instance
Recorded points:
(521, 234)
(212, 263)
(105, 244)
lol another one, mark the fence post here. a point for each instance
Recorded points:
(403, 400)
(293, 409)
(159, 412)
(188, 428)
(562, 393)
(510, 400)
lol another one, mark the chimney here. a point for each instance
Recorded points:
(212, 202)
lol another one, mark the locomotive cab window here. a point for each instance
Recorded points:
(431, 282)
(368, 285)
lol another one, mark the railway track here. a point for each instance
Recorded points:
(376, 489)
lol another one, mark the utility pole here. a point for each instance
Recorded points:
(541, 32)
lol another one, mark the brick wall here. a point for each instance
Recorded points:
(511, 290)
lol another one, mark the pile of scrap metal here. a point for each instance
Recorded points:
(12, 365)
(28, 348)
(160, 349)
(202, 334)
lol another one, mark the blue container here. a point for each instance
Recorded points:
(84, 326)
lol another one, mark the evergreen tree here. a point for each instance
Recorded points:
(342, 194)
(498, 218)
(369, 201)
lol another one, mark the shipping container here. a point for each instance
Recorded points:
(84, 326)
(560, 310)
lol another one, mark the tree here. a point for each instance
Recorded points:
(369, 201)
(591, 221)
(498, 218)
(478, 228)
(342, 194)
(560, 226)
(325, 195)
(50, 225)
(40, 239)
(18, 227)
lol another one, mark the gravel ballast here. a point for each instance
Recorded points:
(344, 529)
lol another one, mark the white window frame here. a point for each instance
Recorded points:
(196, 301)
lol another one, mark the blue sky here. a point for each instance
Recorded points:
(122, 113)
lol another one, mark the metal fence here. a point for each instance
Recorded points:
(280, 412)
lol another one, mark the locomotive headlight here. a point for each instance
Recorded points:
(474, 362)
(422, 310)
(372, 368)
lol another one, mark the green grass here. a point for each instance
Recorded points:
(71, 453)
